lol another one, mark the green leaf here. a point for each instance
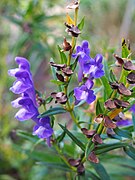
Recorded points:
(61, 136)
(108, 147)
(76, 141)
(57, 82)
(90, 174)
(123, 133)
(81, 24)
(73, 65)
(112, 76)
(48, 100)
(99, 109)
(27, 136)
(107, 88)
(125, 50)
(133, 119)
(101, 171)
(106, 69)
(62, 56)
(130, 151)
(53, 111)
(53, 70)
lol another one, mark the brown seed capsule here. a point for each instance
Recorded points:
(97, 139)
(114, 85)
(128, 65)
(93, 158)
(110, 132)
(66, 45)
(60, 97)
(73, 5)
(131, 78)
(74, 162)
(58, 66)
(120, 61)
(60, 77)
(72, 30)
(123, 90)
(88, 133)
(99, 118)
(108, 123)
(80, 169)
(67, 71)
(109, 104)
(119, 103)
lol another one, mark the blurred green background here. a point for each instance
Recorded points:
(33, 29)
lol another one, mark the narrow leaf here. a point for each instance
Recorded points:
(101, 171)
(77, 141)
(81, 24)
(123, 133)
(99, 109)
(62, 56)
(130, 151)
(53, 111)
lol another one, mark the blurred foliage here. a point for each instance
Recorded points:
(33, 28)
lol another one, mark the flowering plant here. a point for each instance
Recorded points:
(96, 106)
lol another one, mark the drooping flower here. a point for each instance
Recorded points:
(93, 68)
(24, 87)
(84, 92)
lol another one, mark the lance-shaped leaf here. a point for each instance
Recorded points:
(101, 171)
(76, 141)
(108, 147)
(107, 88)
(130, 151)
(123, 133)
(99, 109)
(53, 111)
(62, 56)
(81, 24)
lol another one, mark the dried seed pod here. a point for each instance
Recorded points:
(114, 85)
(74, 162)
(60, 97)
(109, 104)
(93, 158)
(119, 103)
(120, 60)
(99, 118)
(73, 5)
(72, 30)
(66, 45)
(60, 77)
(131, 78)
(108, 123)
(88, 133)
(67, 71)
(80, 169)
(110, 132)
(58, 66)
(97, 139)
(128, 65)
(123, 90)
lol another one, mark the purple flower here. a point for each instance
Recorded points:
(27, 101)
(132, 108)
(87, 65)
(126, 122)
(84, 92)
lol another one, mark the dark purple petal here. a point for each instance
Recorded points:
(98, 59)
(80, 94)
(23, 114)
(15, 103)
(19, 87)
(23, 63)
(91, 97)
(89, 83)
(126, 122)
(132, 108)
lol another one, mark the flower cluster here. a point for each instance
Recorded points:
(24, 86)
(90, 68)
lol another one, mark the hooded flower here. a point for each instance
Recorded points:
(87, 65)
(84, 92)
(24, 86)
